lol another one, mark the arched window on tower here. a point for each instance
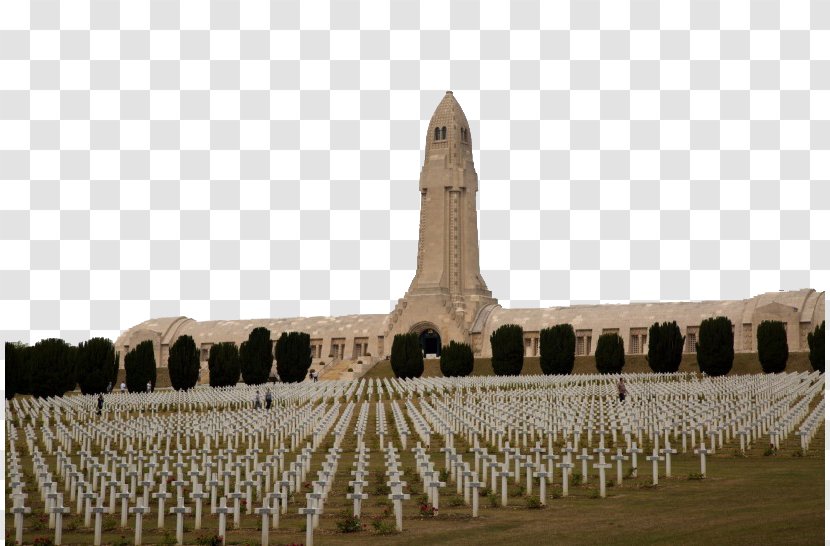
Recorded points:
(443, 133)
(437, 133)
(463, 134)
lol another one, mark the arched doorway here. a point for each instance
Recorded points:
(430, 342)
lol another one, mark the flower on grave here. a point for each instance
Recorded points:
(427, 510)
(244, 502)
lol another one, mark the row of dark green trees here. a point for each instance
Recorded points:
(714, 349)
(52, 367)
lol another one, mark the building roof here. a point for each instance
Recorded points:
(638, 315)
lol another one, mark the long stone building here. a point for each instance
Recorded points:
(449, 300)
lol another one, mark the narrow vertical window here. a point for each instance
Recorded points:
(437, 133)
(443, 133)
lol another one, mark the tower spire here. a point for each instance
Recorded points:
(448, 284)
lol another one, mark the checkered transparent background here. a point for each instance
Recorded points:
(249, 159)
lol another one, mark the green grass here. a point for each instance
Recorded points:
(744, 363)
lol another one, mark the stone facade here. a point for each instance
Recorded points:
(449, 300)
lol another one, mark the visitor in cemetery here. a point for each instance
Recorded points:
(149, 386)
(123, 387)
(268, 399)
(621, 389)
(109, 387)
(100, 403)
(257, 403)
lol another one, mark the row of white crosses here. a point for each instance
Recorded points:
(811, 424)
(661, 451)
(396, 484)
(321, 487)
(90, 468)
(429, 475)
(230, 452)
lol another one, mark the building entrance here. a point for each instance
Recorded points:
(430, 342)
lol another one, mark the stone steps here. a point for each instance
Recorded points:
(338, 371)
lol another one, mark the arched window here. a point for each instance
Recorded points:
(437, 133)
(463, 134)
(443, 133)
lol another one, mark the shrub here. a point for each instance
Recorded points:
(183, 363)
(516, 490)
(665, 347)
(533, 503)
(815, 340)
(223, 364)
(256, 359)
(456, 360)
(140, 367)
(383, 527)
(109, 523)
(610, 353)
(715, 346)
(407, 359)
(557, 349)
(52, 368)
(455, 501)
(507, 344)
(348, 523)
(773, 350)
(96, 366)
(293, 356)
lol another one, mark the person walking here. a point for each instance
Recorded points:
(123, 387)
(257, 403)
(621, 390)
(100, 403)
(149, 386)
(268, 399)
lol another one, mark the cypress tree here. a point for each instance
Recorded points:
(457, 360)
(715, 346)
(293, 356)
(407, 360)
(140, 367)
(557, 349)
(97, 365)
(12, 370)
(610, 354)
(507, 344)
(183, 363)
(223, 364)
(256, 360)
(52, 368)
(773, 350)
(665, 347)
(815, 340)
(24, 354)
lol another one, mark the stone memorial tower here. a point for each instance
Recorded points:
(448, 300)
(448, 291)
